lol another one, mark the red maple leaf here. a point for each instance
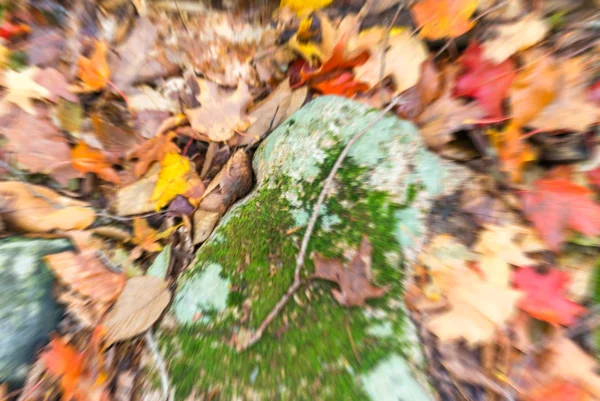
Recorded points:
(63, 361)
(484, 80)
(342, 84)
(545, 298)
(557, 204)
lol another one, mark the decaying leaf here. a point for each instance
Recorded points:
(555, 205)
(152, 150)
(439, 19)
(545, 296)
(354, 280)
(88, 160)
(140, 304)
(177, 177)
(94, 72)
(21, 89)
(220, 114)
(33, 208)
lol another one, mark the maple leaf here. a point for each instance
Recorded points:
(534, 88)
(545, 296)
(342, 85)
(512, 37)
(65, 362)
(94, 72)
(485, 80)
(176, 177)
(220, 115)
(354, 279)
(554, 205)
(513, 150)
(22, 88)
(151, 151)
(439, 19)
(89, 160)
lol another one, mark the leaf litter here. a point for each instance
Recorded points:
(156, 122)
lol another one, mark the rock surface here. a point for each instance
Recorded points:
(27, 311)
(315, 349)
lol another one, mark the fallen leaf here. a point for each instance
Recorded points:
(21, 89)
(113, 133)
(343, 84)
(554, 205)
(140, 304)
(136, 198)
(354, 279)
(220, 115)
(65, 362)
(94, 72)
(570, 109)
(37, 209)
(70, 116)
(89, 160)
(439, 19)
(177, 177)
(545, 296)
(513, 150)
(512, 37)
(44, 46)
(55, 83)
(420, 96)
(152, 150)
(534, 88)
(486, 81)
(559, 390)
(146, 238)
(304, 7)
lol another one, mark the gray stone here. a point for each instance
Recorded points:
(27, 311)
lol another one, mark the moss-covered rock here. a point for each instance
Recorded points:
(27, 311)
(315, 349)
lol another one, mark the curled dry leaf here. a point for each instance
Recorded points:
(152, 150)
(88, 160)
(140, 304)
(220, 114)
(439, 19)
(354, 279)
(94, 72)
(33, 208)
(177, 177)
(515, 36)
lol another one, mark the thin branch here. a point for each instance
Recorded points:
(327, 184)
(160, 365)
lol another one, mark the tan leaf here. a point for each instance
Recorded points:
(137, 197)
(513, 37)
(153, 150)
(33, 208)
(220, 114)
(21, 89)
(55, 83)
(140, 304)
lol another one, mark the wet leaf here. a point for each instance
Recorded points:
(89, 160)
(140, 304)
(152, 150)
(177, 177)
(353, 279)
(443, 18)
(94, 72)
(37, 209)
(545, 296)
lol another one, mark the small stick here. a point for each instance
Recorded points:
(160, 365)
(352, 344)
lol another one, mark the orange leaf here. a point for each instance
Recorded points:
(94, 71)
(153, 150)
(63, 361)
(89, 160)
(439, 19)
(514, 152)
(561, 390)
(146, 238)
(342, 84)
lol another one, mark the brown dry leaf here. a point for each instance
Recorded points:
(42, 149)
(403, 60)
(55, 83)
(220, 114)
(153, 150)
(354, 279)
(571, 109)
(37, 209)
(137, 197)
(479, 200)
(515, 36)
(272, 111)
(534, 88)
(22, 89)
(140, 304)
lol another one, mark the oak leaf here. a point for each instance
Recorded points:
(22, 89)
(512, 37)
(177, 177)
(484, 80)
(220, 114)
(94, 71)
(141, 303)
(152, 150)
(554, 205)
(439, 19)
(545, 296)
(89, 160)
(354, 279)
(37, 209)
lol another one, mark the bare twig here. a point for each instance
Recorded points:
(349, 331)
(327, 184)
(160, 365)
(386, 40)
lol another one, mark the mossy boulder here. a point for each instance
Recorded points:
(27, 310)
(315, 349)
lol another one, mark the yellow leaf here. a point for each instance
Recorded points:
(176, 177)
(21, 89)
(304, 6)
(94, 71)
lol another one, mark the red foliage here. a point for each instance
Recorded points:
(545, 298)
(557, 204)
(484, 80)
(560, 390)
(343, 85)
